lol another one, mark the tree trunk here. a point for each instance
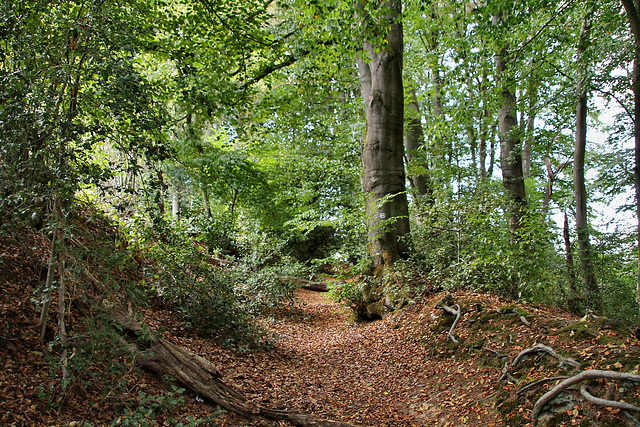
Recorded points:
(201, 376)
(175, 202)
(417, 164)
(383, 183)
(529, 131)
(633, 14)
(573, 293)
(510, 143)
(582, 225)
(510, 149)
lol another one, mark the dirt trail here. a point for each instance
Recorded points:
(372, 374)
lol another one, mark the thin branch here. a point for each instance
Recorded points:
(546, 24)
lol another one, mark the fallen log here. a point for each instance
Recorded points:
(199, 375)
(307, 284)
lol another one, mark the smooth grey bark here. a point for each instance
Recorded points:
(582, 225)
(383, 183)
(633, 14)
(417, 163)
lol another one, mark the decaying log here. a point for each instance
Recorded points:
(315, 286)
(454, 312)
(201, 376)
(307, 284)
(541, 348)
(582, 376)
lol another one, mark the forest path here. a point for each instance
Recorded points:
(371, 374)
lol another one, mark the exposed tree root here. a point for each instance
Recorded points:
(497, 354)
(582, 376)
(540, 382)
(454, 312)
(605, 402)
(201, 376)
(514, 311)
(541, 348)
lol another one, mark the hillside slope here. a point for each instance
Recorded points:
(404, 370)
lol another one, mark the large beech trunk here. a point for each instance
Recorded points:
(383, 183)
(201, 376)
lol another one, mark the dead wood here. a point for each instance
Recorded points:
(454, 312)
(541, 348)
(582, 376)
(307, 284)
(201, 376)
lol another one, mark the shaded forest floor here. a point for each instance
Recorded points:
(399, 371)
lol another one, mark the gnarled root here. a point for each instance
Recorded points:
(454, 312)
(541, 348)
(587, 375)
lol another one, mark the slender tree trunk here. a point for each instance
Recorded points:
(529, 129)
(191, 135)
(571, 274)
(383, 183)
(633, 14)
(582, 225)
(51, 269)
(492, 150)
(510, 149)
(417, 164)
(175, 202)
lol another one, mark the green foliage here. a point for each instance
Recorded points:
(150, 407)
(475, 250)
